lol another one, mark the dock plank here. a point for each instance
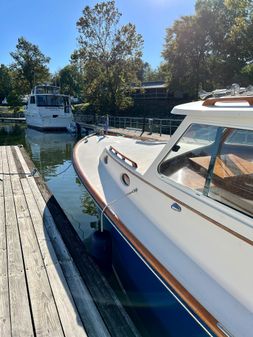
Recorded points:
(6, 176)
(1, 173)
(57, 292)
(15, 181)
(81, 296)
(72, 324)
(21, 321)
(44, 311)
(5, 323)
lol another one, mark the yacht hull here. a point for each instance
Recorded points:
(162, 312)
(166, 259)
(49, 122)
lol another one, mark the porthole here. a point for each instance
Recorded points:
(106, 159)
(125, 179)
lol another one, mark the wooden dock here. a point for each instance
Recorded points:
(49, 285)
(12, 119)
(42, 293)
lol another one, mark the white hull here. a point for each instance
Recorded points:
(48, 121)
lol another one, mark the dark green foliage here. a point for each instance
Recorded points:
(70, 80)
(30, 66)
(146, 73)
(14, 99)
(5, 82)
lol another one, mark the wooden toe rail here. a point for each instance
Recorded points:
(123, 157)
(229, 99)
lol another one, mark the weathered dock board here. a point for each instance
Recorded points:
(41, 291)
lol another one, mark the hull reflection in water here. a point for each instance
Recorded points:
(51, 154)
(50, 148)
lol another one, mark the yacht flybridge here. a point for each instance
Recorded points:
(47, 109)
(180, 216)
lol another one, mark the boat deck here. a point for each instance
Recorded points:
(42, 293)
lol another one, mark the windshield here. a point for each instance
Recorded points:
(46, 89)
(51, 100)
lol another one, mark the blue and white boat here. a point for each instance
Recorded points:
(180, 217)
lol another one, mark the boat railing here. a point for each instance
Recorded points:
(161, 126)
(12, 115)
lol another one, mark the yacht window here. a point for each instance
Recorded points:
(45, 89)
(50, 100)
(32, 100)
(215, 161)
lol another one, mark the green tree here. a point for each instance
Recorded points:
(211, 47)
(8, 86)
(30, 65)
(161, 73)
(109, 57)
(5, 82)
(70, 80)
(228, 29)
(184, 52)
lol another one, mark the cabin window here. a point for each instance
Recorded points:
(230, 179)
(50, 100)
(32, 100)
(181, 166)
(215, 161)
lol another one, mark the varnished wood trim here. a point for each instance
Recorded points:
(230, 231)
(122, 156)
(230, 99)
(158, 268)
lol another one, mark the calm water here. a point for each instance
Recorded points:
(51, 153)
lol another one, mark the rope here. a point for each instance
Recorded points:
(29, 174)
(56, 175)
(32, 173)
(109, 204)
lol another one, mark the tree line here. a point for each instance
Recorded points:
(212, 48)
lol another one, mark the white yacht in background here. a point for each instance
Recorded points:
(180, 217)
(47, 109)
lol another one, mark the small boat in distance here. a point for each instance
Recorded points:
(47, 109)
(180, 217)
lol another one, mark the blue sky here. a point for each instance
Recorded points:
(51, 24)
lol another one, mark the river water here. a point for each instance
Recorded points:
(51, 153)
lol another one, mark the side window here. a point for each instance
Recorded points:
(215, 161)
(231, 179)
(182, 164)
(32, 100)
